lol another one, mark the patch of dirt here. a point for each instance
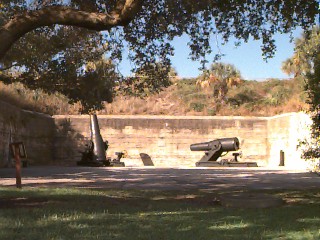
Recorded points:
(250, 200)
(23, 202)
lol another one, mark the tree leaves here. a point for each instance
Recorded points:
(148, 79)
(305, 63)
(306, 50)
(149, 34)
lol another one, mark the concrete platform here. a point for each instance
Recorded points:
(207, 179)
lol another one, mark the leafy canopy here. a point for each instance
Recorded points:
(147, 26)
(306, 49)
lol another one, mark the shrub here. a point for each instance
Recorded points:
(197, 106)
(243, 95)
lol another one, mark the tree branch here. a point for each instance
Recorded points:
(8, 67)
(20, 25)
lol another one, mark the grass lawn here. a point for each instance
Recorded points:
(68, 213)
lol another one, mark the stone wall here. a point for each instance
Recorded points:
(167, 139)
(35, 130)
(284, 133)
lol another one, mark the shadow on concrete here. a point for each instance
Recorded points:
(68, 143)
(163, 178)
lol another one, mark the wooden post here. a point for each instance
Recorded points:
(19, 152)
(18, 165)
(281, 164)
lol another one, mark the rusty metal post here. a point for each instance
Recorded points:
(281, 164)
(18, 165)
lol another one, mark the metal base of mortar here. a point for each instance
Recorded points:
(226, 164)
(117, 164)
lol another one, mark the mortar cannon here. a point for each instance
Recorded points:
(214, 149)
(95, 152)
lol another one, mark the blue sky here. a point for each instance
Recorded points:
(247, 58)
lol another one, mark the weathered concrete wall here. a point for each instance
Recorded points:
(33, 129)
(284, 133)
(166, 139)
(71, 135)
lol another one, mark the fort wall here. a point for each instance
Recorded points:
(60, 139)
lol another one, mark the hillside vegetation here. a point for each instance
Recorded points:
(36, 100)
(183, 97)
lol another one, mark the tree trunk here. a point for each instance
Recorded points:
(124, 12)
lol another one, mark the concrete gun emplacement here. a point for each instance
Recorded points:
(214, 149)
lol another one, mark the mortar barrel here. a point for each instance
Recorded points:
(204, 146)
(229, 144)
(99, 146)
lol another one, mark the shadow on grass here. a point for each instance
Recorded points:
(113, 214)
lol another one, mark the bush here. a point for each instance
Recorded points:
(196, 106)
(244, 94)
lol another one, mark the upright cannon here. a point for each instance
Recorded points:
(95, 152)
(214, 150)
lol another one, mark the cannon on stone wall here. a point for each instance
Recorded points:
(214, 149)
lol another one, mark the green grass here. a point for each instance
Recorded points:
(127, 214)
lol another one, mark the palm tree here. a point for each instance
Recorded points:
(224, 71)
(289, 67)
(302, 60)
(226, 75)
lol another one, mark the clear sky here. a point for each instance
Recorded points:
(247, 58)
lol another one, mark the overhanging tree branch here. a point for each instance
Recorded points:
(18, 26)
(8, 67)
